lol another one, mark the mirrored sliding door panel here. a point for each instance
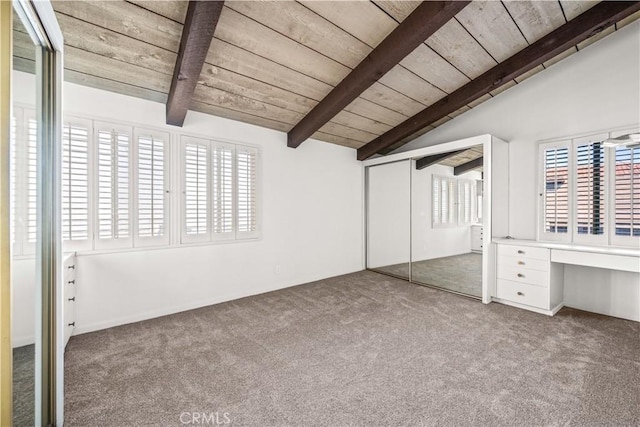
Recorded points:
(389, 218)
(446, 221)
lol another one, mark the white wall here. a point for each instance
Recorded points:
(595, 89)
(428, 242)
(312, 211)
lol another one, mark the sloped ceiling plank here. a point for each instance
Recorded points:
(346, 142)
(469, 166)
(490, 24)
(176, 10)
(100, 66)
(427, 161)
(241, 116)
(594, 20)
(427, 64)
(362, 19)
(535, 18)
(573, 8)
(304, 26)
(89, 37)
(456, 45)
(125, 18)
(268, 43)
(399, 10)
(197, 33)
(423, 22)
(411, 85)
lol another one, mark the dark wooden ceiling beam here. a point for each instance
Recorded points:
(197, 33)
(425, 20)
(469, 166)
(589, 23)
(434, 158)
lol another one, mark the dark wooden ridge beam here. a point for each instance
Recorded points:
(589, 23)
(434, 158)
(197, 33)
(425, 20)
(469, 166)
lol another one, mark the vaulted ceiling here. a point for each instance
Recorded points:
(271, 62)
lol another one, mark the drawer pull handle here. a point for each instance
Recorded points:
(521, 294)
(71, 324)
(71, 299)
(520, 275)
(521, 252)
(72, 282)
(71, 267)
(520, 262)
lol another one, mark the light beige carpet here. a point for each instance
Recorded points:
(358, 350)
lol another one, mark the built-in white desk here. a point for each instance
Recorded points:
(530, 274)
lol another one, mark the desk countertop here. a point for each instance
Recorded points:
(608, 250)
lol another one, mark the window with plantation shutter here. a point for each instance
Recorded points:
(17, 248)
(196, 200)
(151, 187)
(75, 185)
(219, 191)
(590, 192)
(222, 190)
(454, 202)
(113, 225)
(627, 192)
(31, 157)
(246, 182)
(555, 195)
(590, 189)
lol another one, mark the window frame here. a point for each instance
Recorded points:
(211, 237)
(609, 237)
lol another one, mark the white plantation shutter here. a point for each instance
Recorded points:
(444, 197)
(31, 158)
(556, 191)
(590, 197)
(196, 205)
(113, 195)
(246, 191)
(152, 186)
(627, 193)
(222, 196)
(75, 185)
(435, 201)
(13, 146)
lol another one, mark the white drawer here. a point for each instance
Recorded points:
(69, 320)
(69, 288)
(523, 262)
(523, 275)
(522, 293)
(523, 252)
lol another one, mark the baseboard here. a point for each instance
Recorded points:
(528, 307)
(139, 317)
(591, 310)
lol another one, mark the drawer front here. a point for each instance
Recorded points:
(69, 287)
(524, 252)
(523, 262)
(523, 275)
(522, 293)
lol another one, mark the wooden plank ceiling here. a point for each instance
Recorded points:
(271, 62)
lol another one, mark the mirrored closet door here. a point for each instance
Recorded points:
(389, 218)
(446, 221)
